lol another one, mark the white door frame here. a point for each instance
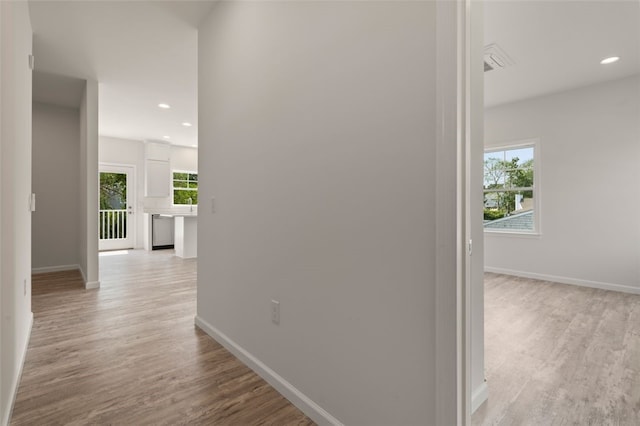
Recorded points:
(478, 387)
(130, 170)
(455, 115)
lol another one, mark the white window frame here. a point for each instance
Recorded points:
(173, 188)
(537, 192)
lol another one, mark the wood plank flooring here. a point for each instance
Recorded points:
(129, 354)
(559, 355)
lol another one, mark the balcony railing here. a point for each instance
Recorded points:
(112, 224)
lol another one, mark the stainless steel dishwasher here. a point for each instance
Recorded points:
(161, 232)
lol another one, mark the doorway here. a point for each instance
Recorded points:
(116, 227)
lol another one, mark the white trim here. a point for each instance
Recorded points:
(479, 396)
(146, 141)
(466, 118)
(300, 400)
(452, 352)
(58, 268)
(509, 145)
(109, 164)
(566, 280)
(91, 285)
(88, 285)
(512, 234)
(474, 347)
(13, 392)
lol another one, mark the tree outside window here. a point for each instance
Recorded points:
(509, 188)
(112, 221)
(113, 191)
(185, 188)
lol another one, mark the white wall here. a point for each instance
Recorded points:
(15, 154)
(127, 152)
(82, 197)
(2, 347)
(88, 241)
(55, 169)
(317, 139)
(589, 157)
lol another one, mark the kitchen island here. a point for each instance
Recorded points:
(185, 230)
(186, 236)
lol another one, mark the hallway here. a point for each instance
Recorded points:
(129, 353)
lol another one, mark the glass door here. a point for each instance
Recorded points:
(116, 224)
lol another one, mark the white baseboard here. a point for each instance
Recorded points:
(297, 398)
(16, 382)
(479, 396)
(58, 268)
(566, 280)
(91, 285)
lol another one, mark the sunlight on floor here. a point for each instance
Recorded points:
(113, 252)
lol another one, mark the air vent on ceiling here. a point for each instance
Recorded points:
(495, 57)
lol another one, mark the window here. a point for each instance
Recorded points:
(510, 197)
(185, 188)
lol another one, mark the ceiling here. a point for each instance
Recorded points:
(142, 53)
(558, 45)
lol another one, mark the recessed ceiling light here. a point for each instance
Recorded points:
(610, 60)
(167, 137)
(185, 124)
(165, 106)
(195, 146)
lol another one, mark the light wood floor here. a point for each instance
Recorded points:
(129, 354)
(560, 355)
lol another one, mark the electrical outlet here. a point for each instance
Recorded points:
(275, 312)
(24, 286)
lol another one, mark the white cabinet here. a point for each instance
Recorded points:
(158, 182)
(157, 169)
(157, 151)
